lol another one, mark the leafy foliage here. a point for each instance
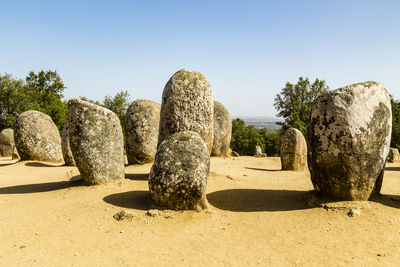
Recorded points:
(395, 142)
(42, 91)
(294, 102)
(246, 138)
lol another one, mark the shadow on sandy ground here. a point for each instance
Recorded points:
(140, 200)
(41, 164)
(265, 170)
(38, 188)
(250, 200)
(137, 176)
(392, 169)
(387, 200)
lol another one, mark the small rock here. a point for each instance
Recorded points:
(75, 178)
(235, 154)
(123, 215)
(122, 231)
(230, 177)
(153, 213)
(354, 212)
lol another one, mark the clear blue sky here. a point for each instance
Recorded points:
(246, 49)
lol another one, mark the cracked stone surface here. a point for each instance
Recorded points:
(37, 137)
(293, 150)
(348, 141)
(187, 105)
(222, 131)
(96, 141)
(178, 177)
(141, 131)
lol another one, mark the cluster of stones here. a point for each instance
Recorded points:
(178, 177)
(37, 137)
(293, 150)
(222, 131)
(348, 141)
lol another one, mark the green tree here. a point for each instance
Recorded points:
(245, 138)
(272, 140)
(395, 141)
(294, 102)
(118, 104)
(13, 100)
(45, 92)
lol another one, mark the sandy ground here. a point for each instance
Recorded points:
(258, 215)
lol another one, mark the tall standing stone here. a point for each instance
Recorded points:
(37, 138)
(178, 178)
(222, 131)
(293, 150)
(96, 141)
(394, 155)
(66, 149)
(141, 131)
(348, 141)
(6, 143)
(187, 105)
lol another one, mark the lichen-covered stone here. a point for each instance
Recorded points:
(393, 155)
(222, 131)
(66, 149)
(15, 155)
(178, 178)
(6, 143)
(37, 138)
(348, 141)
(141, 131)
(187, 105)
(293, 150)
(96, 141)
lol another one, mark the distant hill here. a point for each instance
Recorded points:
(260, 122)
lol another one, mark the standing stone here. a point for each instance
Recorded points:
(348, 141)
(96, 141)
(293, 151)
(222, 131)
(141, 131)
(257, 151)
(187, 105)
(393, 155)
(15, 155)
(6, 143)
(178, 178)
(37, 137)
(66, 149)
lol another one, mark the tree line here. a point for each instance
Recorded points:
(43, 91)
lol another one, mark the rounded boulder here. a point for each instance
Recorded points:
(222, 131)
(187, 105)
(293, 150)
(348, 141)
(96, 141)
(37, 137)
(6, 143)
(178, 178)
(141, 131)
(393, 155)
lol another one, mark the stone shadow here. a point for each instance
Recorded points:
(140, 200)
(39, 188)
(392, 169)
(387, 200)
(137, 176)
(41, 164)
(265, 170)
(251, 200)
